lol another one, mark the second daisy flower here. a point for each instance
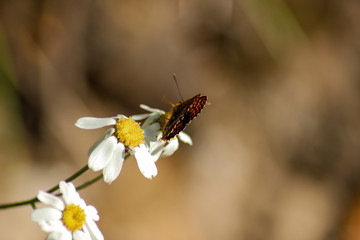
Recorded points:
(108, 153)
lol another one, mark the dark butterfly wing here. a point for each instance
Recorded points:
(183, 114)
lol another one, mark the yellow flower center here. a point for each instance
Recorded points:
(73, 217)
(129, 132)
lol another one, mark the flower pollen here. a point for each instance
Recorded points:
(73, 217)
(129, 132)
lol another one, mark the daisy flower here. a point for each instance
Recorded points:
(153, 131)
(124, 136)
(69, 218)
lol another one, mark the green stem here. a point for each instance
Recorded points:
(94, 180)
(53, 189)
(85, 184)
(69, 179)
(17, 204)
(88, 183)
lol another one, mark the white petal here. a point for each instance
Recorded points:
(138, 117)
(51, 225)
(169, 149)
(156, 126)
(45, 214)
(151, 120)
(82, 203)
(94, 123)
(155, 156)
(45, 226)
(145, 163)
(149, 109)
(157, 146)
(85, 230)
(102, 154)
(62, 234)
(185, 138)
(91, 213)
(106, 135)
(49, 199)
(121, 116)
(93, 230)
(70, 195)
(112, 169)
(80, 235)
(67, 190)
(150, 134)
(157, 149)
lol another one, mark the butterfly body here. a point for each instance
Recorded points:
(180, 115)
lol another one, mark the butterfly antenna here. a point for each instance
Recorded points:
(177, 85)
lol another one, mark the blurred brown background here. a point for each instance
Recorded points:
(275, 156)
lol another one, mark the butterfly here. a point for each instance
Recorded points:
(180, 115)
